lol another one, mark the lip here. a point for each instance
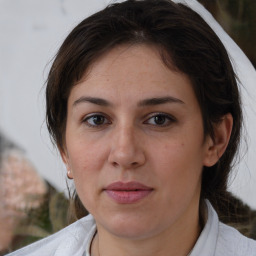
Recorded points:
(127, 193)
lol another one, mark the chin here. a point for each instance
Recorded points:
(130, 227)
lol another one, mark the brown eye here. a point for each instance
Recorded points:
(160, 120)
(96, 120)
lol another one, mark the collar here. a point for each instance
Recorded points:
(207, 241)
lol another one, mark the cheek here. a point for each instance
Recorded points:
(85, 161)
(82, 153)
(178, 164)
(86, 165)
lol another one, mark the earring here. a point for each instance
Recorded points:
(68, 175)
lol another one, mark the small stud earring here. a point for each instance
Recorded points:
(68, 175)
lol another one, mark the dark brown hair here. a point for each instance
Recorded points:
(185, 43)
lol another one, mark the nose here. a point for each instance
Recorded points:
(126, 149)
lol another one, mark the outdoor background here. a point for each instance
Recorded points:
(31, 32)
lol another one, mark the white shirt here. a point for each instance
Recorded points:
(216, 239)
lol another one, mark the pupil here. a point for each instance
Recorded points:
(160, 119)
(98, 119)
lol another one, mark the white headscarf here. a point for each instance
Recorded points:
(246, 74)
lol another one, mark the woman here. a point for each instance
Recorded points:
(143, 104)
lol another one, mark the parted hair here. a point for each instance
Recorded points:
(185, 43)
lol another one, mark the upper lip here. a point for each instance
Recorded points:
(127, 186)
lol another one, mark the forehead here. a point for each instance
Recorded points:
(128, 72)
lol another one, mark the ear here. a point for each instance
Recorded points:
(65, 159)
(217, 146)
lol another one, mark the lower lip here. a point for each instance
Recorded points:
(127, 197)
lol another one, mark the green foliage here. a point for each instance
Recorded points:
(58, 206)
(47, 219)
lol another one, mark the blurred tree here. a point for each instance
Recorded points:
(238, 18)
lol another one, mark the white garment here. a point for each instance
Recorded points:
(216, 239)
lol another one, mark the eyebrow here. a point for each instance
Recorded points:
(159, 101)
(146, 102)
(97, 101)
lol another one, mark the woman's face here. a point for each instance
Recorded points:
(135, 144)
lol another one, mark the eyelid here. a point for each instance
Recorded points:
(170, 117)
(88, 116)
(159, 113)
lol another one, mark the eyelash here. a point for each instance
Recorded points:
(167, 118)
(86, 120)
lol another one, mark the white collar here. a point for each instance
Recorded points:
(206, 243)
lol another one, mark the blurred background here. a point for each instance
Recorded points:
(33, 187)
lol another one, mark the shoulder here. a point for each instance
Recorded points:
(218, 239)
(67, 241)
(232, 243)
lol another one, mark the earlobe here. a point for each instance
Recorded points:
(69, 175)
(217, 146)
(64, 157)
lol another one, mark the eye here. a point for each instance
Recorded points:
(96, 120)
(160, 119)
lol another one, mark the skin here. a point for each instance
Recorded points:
(129, 138)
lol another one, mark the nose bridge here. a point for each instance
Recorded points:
(126, 136)
(126, 148)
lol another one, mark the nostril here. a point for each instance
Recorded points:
(115, 164)
(126, 157)
(133, 164)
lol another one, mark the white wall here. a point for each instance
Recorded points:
(30, 33)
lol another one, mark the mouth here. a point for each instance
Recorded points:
(127, 193)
